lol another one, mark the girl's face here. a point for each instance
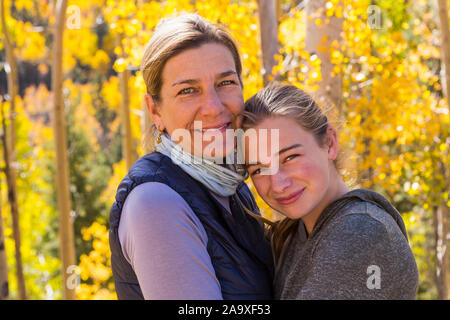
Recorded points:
(299, 187)
(200, 85)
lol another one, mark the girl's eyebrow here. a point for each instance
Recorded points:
(297, 145)
(289, 148)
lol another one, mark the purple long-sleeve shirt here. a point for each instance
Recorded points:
(165, 243)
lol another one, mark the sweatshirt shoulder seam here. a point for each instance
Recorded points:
(339, 220)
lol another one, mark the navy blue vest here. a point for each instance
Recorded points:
(240, 254)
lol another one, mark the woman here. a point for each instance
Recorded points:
(178, 230)
(333, 243)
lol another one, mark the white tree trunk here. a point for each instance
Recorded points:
(445, 45)
(66, 236)
(318, 41)
(128, 147)
(268, 22)
(442, 221)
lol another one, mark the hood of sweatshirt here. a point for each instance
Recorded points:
(359, 195)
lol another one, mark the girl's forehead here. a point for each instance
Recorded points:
(275, 134)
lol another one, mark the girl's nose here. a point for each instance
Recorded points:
(279, 181)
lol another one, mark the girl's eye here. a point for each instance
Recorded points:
(257, 171)
(292, 156)
(186, 91)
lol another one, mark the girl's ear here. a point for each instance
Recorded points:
(154, 112)
(332, 143)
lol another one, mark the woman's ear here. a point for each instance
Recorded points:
(332, 143)
(153, 111)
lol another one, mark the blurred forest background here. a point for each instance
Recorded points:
(72, 117)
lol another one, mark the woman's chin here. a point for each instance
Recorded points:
(219, 153)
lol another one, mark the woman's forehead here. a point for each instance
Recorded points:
(208, 60)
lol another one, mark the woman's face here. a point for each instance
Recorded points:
(200, 85)
(299, 186)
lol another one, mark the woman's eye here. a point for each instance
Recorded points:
(227, 82)
(257, 171)
(186, 91)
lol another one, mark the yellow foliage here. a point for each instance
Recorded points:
(81, 44)
(395, 123)
(35, 212)
(110, 92)
(96, 266)
(34, 47)
(100, 59)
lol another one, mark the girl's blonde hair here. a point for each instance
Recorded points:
(171, 37)
(281, 100)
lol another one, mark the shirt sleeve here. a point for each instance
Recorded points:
(165, 243)
(354, 261)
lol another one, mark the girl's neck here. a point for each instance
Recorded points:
(334, 192)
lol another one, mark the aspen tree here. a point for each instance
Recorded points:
(9, 141)
(322, 31)
(4, 286)
(441, 213)
(268, 22)
(66, 236)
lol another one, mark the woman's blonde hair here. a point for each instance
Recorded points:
(282, 100)
(171, 37)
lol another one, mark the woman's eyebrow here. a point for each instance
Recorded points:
(187, 81)
(226, 74)
(195, 81)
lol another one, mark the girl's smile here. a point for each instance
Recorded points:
(306, 180)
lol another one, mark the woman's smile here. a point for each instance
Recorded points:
(214, 129)
(221, 127)
(201, 91)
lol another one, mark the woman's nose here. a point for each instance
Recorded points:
(212, 104)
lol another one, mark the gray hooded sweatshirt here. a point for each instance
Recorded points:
(358, 249)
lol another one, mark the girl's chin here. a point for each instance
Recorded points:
(292, 213)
